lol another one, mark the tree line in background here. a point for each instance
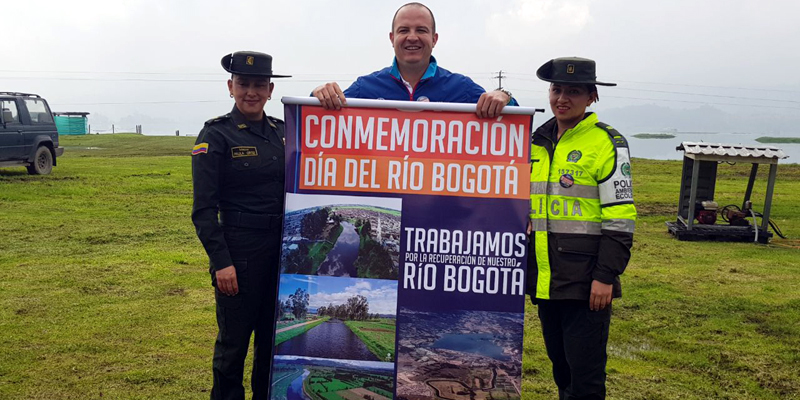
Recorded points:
(356, 308)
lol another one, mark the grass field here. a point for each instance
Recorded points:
(377, 335)
(286, 335)
(320, 250)
(105, 292)
(328, 383)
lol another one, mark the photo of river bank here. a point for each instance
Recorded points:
(305, 378)
(345, 236)
(348, 318)
(331, 339)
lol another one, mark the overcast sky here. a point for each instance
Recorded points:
(112, 58)
(325, 290)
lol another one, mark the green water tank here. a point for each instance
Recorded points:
(72, 123)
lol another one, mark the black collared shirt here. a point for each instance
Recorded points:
(235, 167)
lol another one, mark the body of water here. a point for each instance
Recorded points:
(295, 391)
(474, 343)
(331, 339)
(339, 261)
(664, 149)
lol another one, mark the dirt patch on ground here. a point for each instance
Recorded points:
(176, 292)
(650, 209)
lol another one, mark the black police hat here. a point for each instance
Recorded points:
(250, 63)
(570, 71)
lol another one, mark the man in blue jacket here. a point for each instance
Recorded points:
(415, 74)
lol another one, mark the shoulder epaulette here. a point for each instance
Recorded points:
(218, 119)
(616, 137)
(275, 123)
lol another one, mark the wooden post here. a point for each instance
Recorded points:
(693, 193)
(749, 191)
(112, 129)
(773, 172)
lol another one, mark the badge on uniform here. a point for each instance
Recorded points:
(200, 149)
(241, 126)
(244, 151)
(566, 181)
(626, 169)
(574, 156)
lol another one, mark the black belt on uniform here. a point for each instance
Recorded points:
(253, 221)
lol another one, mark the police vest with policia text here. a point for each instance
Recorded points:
(584, 188)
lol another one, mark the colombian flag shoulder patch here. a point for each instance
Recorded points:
(200, 149)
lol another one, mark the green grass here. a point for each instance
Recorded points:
(377, 335)
(287, 323)
(286, 335)
(319, 250)
(654, 136)
(772, 139)
(105, 292)
(699, 320)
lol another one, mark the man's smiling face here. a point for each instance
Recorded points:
(413, 36)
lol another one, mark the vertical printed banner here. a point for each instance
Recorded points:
(403, 257)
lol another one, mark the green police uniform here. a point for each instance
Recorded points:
(582, 218)
(238, 175)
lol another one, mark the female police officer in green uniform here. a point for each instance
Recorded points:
(582, 220)
(238, 172)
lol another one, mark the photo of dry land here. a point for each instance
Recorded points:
(303, 378)
(350, 236)
(459, 355)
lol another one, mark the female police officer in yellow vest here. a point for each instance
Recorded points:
(238, 170)
(582, 220)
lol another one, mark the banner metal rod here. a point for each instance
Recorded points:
(411, 105)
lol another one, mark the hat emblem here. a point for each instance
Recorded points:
(250, 60)
(570, 68)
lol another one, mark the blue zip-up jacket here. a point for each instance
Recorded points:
(437, 85)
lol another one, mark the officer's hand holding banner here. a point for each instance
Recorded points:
(404, 252)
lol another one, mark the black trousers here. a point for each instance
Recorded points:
(255, 255)
(576, 339)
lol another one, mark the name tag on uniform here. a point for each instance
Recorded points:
(244, 151)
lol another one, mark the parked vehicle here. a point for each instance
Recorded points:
(28, 134)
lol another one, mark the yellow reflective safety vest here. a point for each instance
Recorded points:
(582, 211)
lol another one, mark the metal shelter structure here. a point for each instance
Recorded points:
(698, 182)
